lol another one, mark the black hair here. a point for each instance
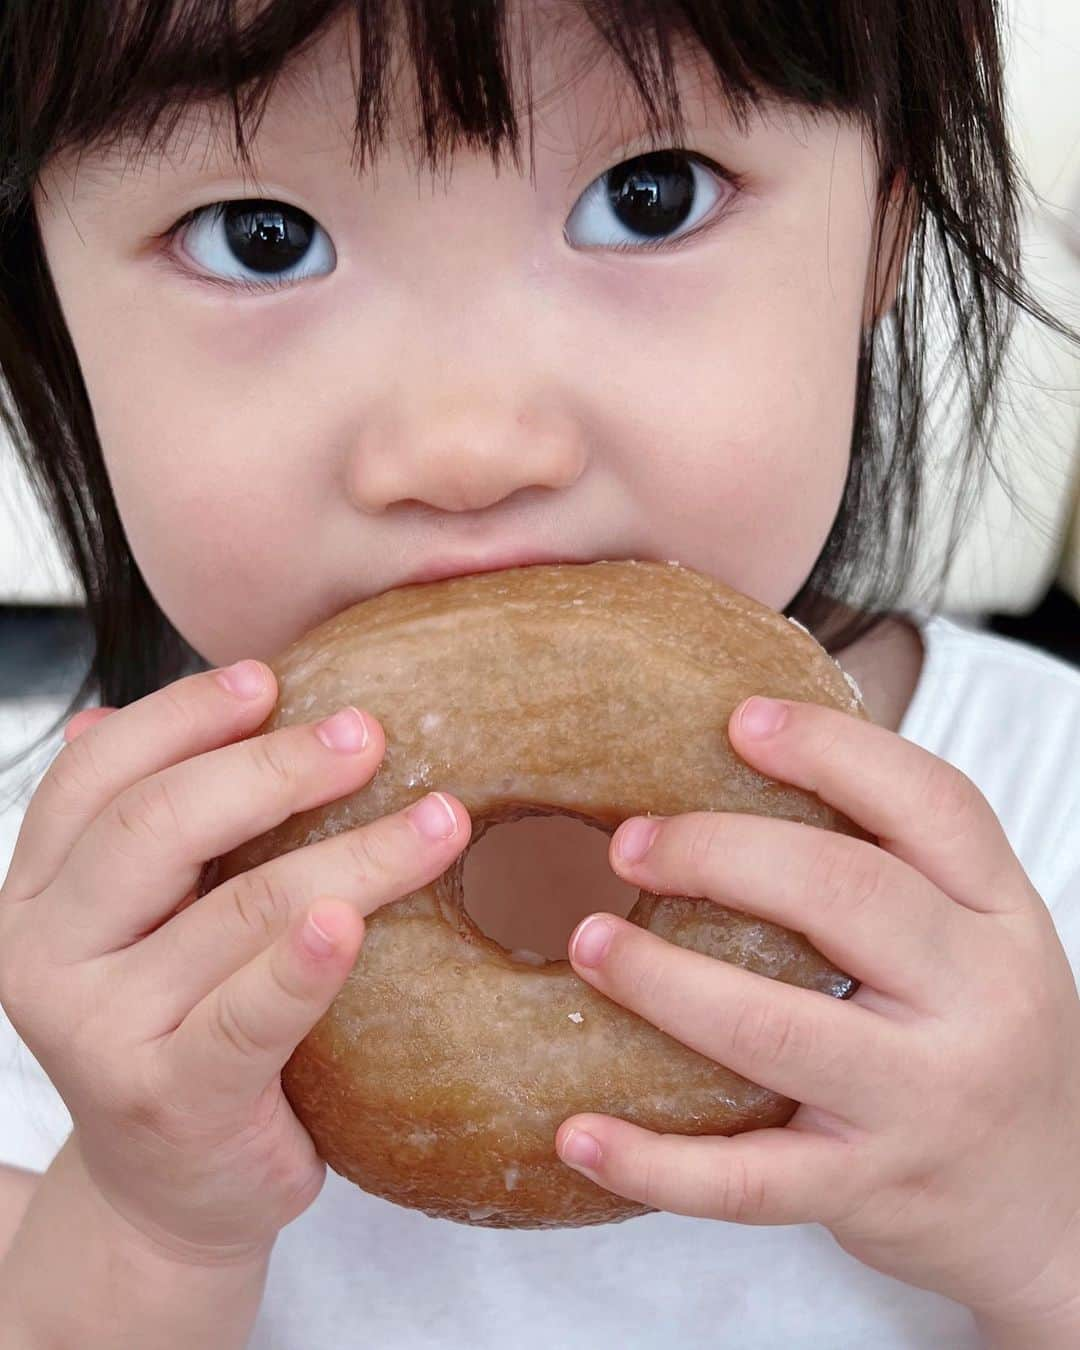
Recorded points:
(925, 76)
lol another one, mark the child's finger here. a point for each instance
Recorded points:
(867, 912)
(170, 970)
(145, 851)
(771, 1176)
(919, 808)
(233, 1043)
(799, 1042)
(82, 720)
(111, 754)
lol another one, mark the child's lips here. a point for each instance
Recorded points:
(439, 568)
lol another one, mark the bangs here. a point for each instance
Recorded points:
(122, 73)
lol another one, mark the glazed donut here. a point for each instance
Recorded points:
(439, 1075)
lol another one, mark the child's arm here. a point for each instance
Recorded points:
(17, 1186)
(1058, 1330)
(1025, 1338)
(78, 1274)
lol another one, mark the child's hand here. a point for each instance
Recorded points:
(165, 1036)
(939, 1132)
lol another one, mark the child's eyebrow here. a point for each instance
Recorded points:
(128, 162)
(124, 150)
(102, 167)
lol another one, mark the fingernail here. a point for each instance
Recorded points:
(346, 730)
(592, 941)
(317, 937)
(580, 1149)
(246, 679)
(91, 717)
(635, 838)
(761, 717)
(433, 817)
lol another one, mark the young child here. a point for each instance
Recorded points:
(668, 297)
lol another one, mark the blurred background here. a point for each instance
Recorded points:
(1018, 571)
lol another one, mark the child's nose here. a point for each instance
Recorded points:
(463, 454)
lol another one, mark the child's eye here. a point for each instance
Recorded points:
(655, 200)
(256, 244)
(642, 202)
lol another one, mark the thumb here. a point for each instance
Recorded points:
(233, 1042)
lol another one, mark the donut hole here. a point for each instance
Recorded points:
(528, 883)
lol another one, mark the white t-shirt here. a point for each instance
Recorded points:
(358, 1270)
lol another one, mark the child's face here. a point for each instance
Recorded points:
(465, 381)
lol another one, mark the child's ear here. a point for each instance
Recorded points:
(897, 215)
